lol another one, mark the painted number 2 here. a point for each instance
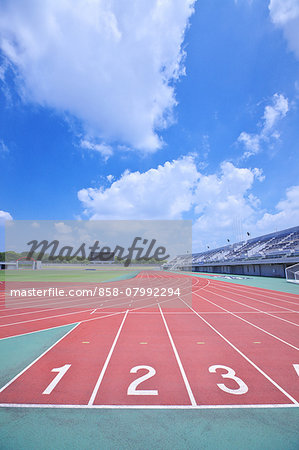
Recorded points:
(61, 371)
(231, 374)
(132, 389)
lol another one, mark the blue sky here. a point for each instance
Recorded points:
(171, 110)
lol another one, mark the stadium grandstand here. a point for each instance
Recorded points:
(269, 255)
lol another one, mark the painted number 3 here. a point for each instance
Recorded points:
(230, 374)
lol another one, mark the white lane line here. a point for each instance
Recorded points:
(29, 312)
(84, 320)
(249, 323)
(273, 295)
(245, 357)
(44, 318)
(38, 358)
(257, 313)
(98, 383)
(246, 296)
(92, 312)
(39, 331)
(67, 307)
(57, 406)
(189, 390)
(257, 309)
(243, 293)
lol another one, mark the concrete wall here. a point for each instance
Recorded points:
(265, 270)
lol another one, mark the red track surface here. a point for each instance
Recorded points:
(234, 345)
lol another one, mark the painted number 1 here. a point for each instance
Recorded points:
(61, 371)
(231, 374)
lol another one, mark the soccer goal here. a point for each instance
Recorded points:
(29, 264)
(292, 273)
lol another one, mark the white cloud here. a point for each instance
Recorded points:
(287, 214)
(258, 173)
(109, 63)
(251, 143)
(162, 193)
(223, 202)
(110, 178)
(285, 14)
(272, 115)
(5, 216)
(175, 189)
(3, 148)
(62, 228)
(103, 149)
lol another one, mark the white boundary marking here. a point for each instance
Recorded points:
(39, 331)
(98, 383)
(57, 406)
(189, 390)
(38, 358)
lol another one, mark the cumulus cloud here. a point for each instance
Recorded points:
(109, 63)
(223, 202)
(162, 193)
(272, 115)
(287, 214)
(285, 14)
(176, 189)
(4, 216)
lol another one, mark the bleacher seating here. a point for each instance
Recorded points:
(281, 244)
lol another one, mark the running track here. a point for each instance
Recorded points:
(232, 346)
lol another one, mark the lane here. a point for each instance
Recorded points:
(22, 322)
(278, 298)
(144, 345)
(271, 355)
(200, 303)
(202, 350)
(251, 302)
(279, 328)
(42, 323)
(293, 317)
(284, 327)
(84, 350)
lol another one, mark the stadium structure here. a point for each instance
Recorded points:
(272, 255)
